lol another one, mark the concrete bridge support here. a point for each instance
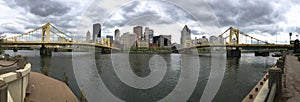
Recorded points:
(15, 50)
(275, 79)
(234, 52)
(105, 51)
(45, 51)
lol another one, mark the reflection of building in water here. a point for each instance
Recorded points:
(162, 40)
(127, 40)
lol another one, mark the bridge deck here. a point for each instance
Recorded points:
(56, 43)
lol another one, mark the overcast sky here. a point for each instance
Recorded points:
(268, 20)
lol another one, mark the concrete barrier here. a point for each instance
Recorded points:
(275, 78)
(3, 91)
(17, 82)
(273, 87)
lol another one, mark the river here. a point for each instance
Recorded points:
(241, 74)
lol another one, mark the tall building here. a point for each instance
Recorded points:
(138, 30)
(185, 35)
(88, 36)
(117, 35)
(96, 31)
(151, 35)
(146, 34)
(128, 40)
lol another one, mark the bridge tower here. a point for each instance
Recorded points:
(44, 51)
(46, 32)
(234, 52)
(234, 32)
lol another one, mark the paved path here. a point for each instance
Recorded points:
(45, 89)
(291, 80)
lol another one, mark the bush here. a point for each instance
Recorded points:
(1, 50)
(298, 58)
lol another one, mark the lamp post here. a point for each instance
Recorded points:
(291, 36)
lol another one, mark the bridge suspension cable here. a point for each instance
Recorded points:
(237, 34)
(46, 33)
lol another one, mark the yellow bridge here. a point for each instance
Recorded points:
(234, 36)
(47, 36)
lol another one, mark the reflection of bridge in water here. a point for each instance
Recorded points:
(47, 38)
(234, 44)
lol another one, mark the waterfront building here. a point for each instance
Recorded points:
(185, 34)
(204, 40)
(96, 32)
(88, 37)
(151, 34)
(117, 35)
(127, 40)
(162, 40)
(138, 30)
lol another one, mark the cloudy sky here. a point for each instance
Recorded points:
(267, 20)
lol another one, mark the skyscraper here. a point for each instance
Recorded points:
(96, 31)
(185, 34)
(138, 30)
(88, 36)
(151, 35)
(117, 35)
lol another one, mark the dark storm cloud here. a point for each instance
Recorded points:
(55, 12)
(133, 14)
(44, 8)
(195, 32)
(244, 13)
(9, 28)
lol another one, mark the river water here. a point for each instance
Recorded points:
(241, 74)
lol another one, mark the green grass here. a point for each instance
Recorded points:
(298, 58)
(1, 50)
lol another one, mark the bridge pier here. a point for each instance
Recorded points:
(45, 51)
(15, 50)
(234, 52)
(105, 51)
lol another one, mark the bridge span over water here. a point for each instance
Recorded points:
(48, 36)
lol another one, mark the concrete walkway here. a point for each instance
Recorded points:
(291, 80)
(45, 89)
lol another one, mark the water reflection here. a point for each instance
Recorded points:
(45, 65)
(233, 63)
(240, 76)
